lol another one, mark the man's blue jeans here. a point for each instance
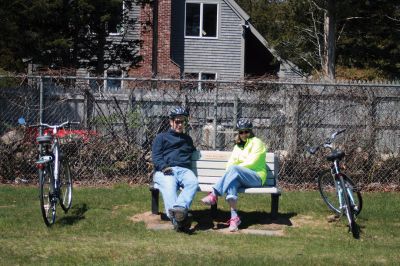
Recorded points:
(169, 185)
(234, 178)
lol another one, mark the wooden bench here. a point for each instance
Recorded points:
(209, 166)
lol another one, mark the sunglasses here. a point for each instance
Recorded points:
(179, 121)
(244, 132)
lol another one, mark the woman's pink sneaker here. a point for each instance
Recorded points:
(234, 224)
(210, 199)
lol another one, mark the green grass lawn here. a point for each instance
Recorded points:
(97, 230)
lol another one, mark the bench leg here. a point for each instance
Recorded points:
(214, 211)
(274, 205)
(154, 200)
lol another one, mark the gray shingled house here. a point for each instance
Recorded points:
(204, 39)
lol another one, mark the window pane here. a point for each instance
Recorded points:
(192, 85)
(113, 84)
(206, 86)
(191, 75)
(209, 20)
(207, 76)
(192, 19)
(115, 22)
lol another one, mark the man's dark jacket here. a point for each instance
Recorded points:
(172, 149)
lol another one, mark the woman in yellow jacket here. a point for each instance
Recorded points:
(245, 168)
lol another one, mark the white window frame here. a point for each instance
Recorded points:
(106, 87)
(201, 20)
(200, 84)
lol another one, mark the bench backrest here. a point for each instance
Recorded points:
(209, 166)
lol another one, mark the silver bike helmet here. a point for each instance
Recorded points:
(244, 124)
(178, 111)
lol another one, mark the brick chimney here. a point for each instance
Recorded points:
(155, 31)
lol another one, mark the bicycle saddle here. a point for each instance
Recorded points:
(335, 155)
(44, 139)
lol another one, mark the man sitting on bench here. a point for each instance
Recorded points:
(245, 168)
(171, 154)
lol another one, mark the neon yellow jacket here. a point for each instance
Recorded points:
(251, 156)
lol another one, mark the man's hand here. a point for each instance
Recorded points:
(167, 171)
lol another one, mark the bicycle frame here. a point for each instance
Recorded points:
(45, 159)
(340, 185)
(55, 148)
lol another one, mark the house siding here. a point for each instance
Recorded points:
(223, 55)
(134, 15)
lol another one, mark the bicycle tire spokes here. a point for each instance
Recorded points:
(328, 189)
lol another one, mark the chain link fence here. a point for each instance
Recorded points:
(119, 118)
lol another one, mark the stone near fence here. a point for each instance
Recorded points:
(12, 136)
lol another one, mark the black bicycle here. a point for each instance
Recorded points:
(55, 182)
(337, 190)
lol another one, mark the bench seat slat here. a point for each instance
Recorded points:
(209, 179)
(211, 155)
(211, 172)
(220, 172)
(220, 165)
(223, 156)
(209, 164)
(255, 190)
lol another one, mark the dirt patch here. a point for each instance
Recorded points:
(154, 222)
(305, 220)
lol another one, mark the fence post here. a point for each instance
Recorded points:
(215, 117)
(235, 110)
(371, 126)
(41, 105)
(87, 107)
(291, 105)
(85, 111)
(185, 104)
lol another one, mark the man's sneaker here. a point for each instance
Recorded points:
(180, 218)
(179, 213)
(210, 199)
(234, 224)
(185, 225)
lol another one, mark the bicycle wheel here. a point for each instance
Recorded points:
(327, 189)
(349, 211)
(65, 182)
(47, 199)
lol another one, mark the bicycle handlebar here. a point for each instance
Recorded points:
(55, 126)
(327, 143)
(333, 136)
(60, 125)
(313, 150)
